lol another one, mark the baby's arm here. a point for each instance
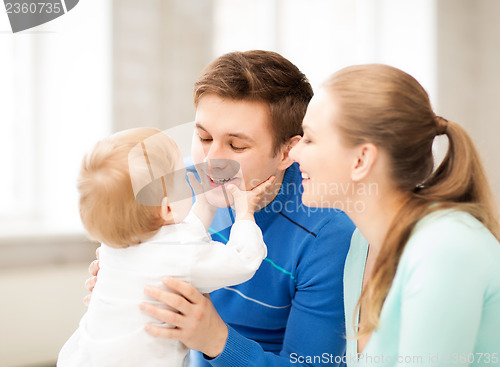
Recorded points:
(204, 211)
(201, 208)
(219, 265)
(245, 202)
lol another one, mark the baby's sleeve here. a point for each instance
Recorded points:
(218, 265)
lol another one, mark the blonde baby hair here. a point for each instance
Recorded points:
(109, 208)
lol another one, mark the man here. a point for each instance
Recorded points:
(249, 109)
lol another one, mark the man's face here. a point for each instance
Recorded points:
(227, 129)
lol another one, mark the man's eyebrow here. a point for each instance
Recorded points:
(233, 135)
(242, 136)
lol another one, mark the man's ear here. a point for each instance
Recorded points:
(166, 211)
(286, 161)
(364, 161)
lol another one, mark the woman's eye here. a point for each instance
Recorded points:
(307, 141)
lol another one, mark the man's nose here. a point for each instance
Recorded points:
(218, 163)
(215, 155)
(222, 168)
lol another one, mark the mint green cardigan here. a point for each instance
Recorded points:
(443, 308)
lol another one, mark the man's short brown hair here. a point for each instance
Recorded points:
(262, 76)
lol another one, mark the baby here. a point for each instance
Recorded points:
(135, 200)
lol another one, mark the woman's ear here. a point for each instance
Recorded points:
(166, 211)
(364, 162)
(286, 161)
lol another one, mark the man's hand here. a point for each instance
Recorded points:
(194, 320)
(90, 282)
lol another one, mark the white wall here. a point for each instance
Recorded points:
(159, 48)
(40, 309)
(468, 74)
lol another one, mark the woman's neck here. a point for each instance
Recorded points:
(374, 222)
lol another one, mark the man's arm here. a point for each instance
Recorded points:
(90, 282)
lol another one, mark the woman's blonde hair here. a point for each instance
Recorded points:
(108, 207)
(385, 106)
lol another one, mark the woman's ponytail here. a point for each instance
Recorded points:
(460, 179)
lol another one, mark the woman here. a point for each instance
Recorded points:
(426, 290)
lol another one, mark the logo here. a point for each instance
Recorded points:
(28, 14)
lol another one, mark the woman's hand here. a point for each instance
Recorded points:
(196, 323)
(90, 282)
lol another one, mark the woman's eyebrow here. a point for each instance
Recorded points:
(306, 128)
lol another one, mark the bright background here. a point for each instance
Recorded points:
(111, 65)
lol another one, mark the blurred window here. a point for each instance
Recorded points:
(56, 87)
(55, 102)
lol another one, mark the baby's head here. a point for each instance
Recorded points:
(123, 183)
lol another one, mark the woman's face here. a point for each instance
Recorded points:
(325, 161)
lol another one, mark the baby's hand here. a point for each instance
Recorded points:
(202, 208)
(195, 184)
(245, 202)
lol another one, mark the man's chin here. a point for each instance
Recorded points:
(217, 198)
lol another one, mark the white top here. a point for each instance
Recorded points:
(111, 333)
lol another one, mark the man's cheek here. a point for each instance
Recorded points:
(197, 152)
(248, 183)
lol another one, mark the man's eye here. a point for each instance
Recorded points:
(238, 148)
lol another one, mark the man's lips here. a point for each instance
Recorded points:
(220, 181)
(216, 182)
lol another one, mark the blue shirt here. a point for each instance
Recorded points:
(291, 312)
